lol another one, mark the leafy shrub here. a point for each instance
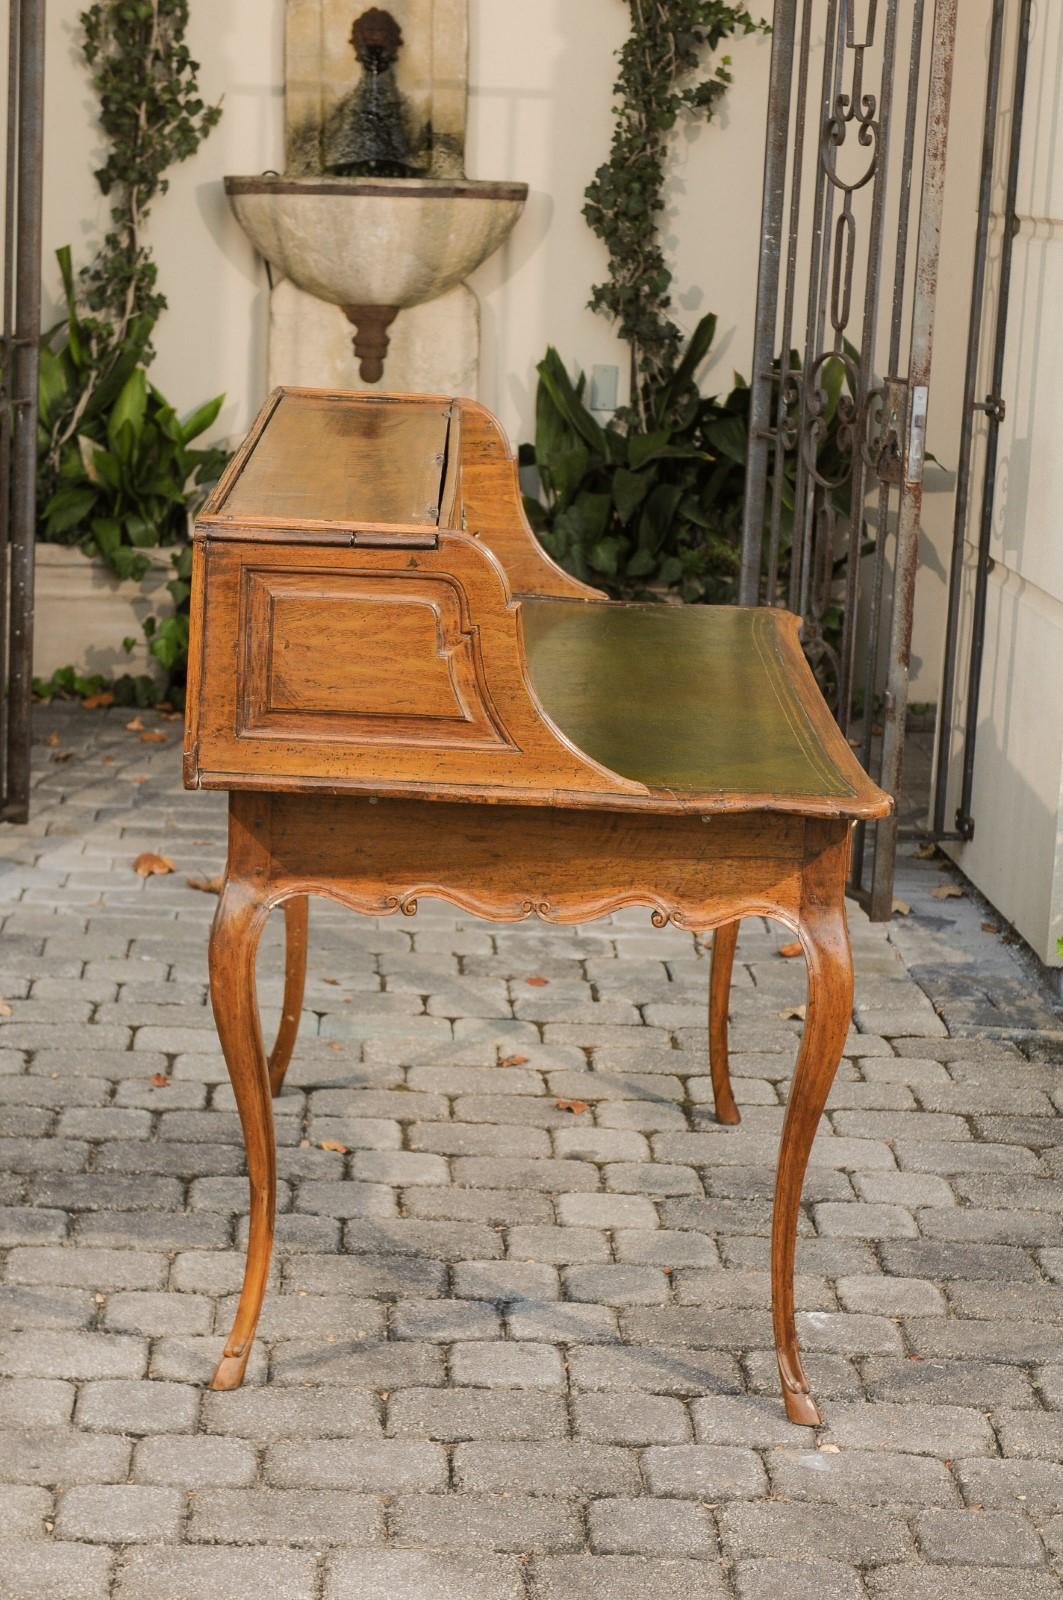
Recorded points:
(637, 511)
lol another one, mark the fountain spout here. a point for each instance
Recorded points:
(368, 135)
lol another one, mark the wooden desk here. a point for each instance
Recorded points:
(393, 722)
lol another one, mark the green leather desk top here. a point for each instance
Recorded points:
(691, 699)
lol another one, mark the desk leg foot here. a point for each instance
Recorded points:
(296, 922)
(724, 941)
(229, 1373)
(830, 1002)
(801, 1408)
(238, 925)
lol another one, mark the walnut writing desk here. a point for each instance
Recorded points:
(405, 697)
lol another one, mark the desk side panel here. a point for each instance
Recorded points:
(368, 668)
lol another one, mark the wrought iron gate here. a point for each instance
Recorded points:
(19, 362)
(854, 176)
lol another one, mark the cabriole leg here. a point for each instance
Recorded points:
(724, 941)
(825, 938)
(296, 923)
(238, 924)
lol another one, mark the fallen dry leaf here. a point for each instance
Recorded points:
(106, 761)
(148, 865)
(206, 885)
(537, 983)
(577, 1107)
(141, 777)
(790, 950)
(334, 1144)
(135, 726)
(901, 908)
(54, 739)
(947, 891)
(5, 1009)
(990, 927)
(512, 1061)
(63, 755)
(160, 1081)
(334, 981)
(96, 702)
(154, 737)
(793, 1014)
(926, 852)
(334, 1044)
(830, 1449)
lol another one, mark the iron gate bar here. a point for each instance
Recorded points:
(877, 427)
(993, 406)
(21, 365)
(928, 254)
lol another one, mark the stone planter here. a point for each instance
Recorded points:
(83, 612)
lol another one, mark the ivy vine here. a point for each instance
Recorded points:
(153, 116)
(663, 75)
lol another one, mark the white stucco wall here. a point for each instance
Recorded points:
(541, 75)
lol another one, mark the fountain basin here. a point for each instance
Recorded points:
(389, 242)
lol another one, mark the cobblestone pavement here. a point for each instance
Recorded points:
(513, 1351)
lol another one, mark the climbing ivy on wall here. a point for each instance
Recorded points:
(152, 116)
(668, 68)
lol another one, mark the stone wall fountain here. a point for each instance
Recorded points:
(374, 225)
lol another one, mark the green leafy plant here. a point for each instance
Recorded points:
(118, 473)
(152, 116)
(638, 511)
(130, 481)
(662, 76)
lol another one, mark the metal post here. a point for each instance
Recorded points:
(922, 350)
(25, 365)
(760, 401)
(995, 412)
(963, 469)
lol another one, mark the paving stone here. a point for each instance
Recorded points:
(786, 1579)
(262, 1415)
(890, 1297)
(35, 1402)
(947, 1431)
(452, 1415)
(299, 1517)
(23, 1509)
(984, 1384)
(567, 1468)
(809, 1532)
(503, 1522)
(193, 1461)
(508, 1365)
(189, 1573)
(38, 1570)
(374, 1364)
(861, 1477)
(422, 1575)
(379, 1465)
(960, 1583)
(978, 1538)
(631, 1419)
(1032, 1486)
(651, 1527)
(119, 1513)
(626, 1578)
(564, 1323)
(137, 1407)
(46, 1354)
(617, 1285)
(503, 1282)
(57, 1456)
